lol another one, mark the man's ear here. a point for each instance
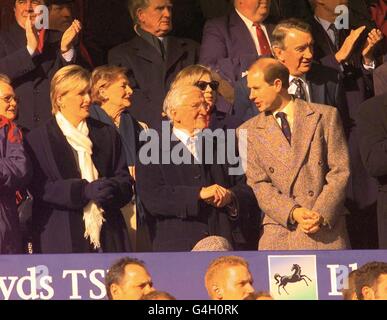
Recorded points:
(218, 293)
(277, 85)
(368, 293)
(278, 53)
(139, 14)
(114, 290)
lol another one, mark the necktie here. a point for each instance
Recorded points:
(41, 40)
(262, 40)
(162, 49)
(191, 145)
(285, 126)
(300, 91)
(337, 36)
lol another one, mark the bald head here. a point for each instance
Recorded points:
(271, 69)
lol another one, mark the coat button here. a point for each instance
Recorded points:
(271, 170)
(311, 193)
(320, 163)
(36, 119)
(197, 176)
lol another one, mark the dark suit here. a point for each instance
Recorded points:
(372, 124)
(177, 218)
(227, 46)
(30, 76)
(149, 75)
(324, 88)
(357, 86)
(380, 79)
(58, 190)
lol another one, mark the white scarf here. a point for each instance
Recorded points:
(79, 140)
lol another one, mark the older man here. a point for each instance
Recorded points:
(229, 278)
(292, 44)
(297, 164)
(189, 196)
(153, 58)
(128, 279)
(30, 57)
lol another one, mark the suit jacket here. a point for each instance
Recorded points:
(312, 173)
(149, 75)
(380, 79)
(372, 123)
(357, 87)
(227, 46)
(30, 76)
(176, 217)
(58, 190)
(324, 85)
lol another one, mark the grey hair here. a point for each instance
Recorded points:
(282, 29)
(4, 78)
(176, 96)
(134, 5)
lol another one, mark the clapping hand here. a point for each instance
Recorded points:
(70, 35)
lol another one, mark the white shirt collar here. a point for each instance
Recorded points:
(183, 136)
(288, 109)
(291, 78)
(325, 24)
(247, 21)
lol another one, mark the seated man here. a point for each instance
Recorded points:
(152, 58)
(229, 278)
(128, 279)
(371, 281)
(187, 199)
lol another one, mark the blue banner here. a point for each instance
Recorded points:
(81, 276)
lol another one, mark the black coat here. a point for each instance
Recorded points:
(58, 190)
(150, 76)
(372, 124)
(31, 76)
(178, 219)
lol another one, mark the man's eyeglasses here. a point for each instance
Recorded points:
(8, 99)
(202, 85)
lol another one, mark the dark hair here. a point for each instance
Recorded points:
(348, 292)
(367, 276)
(117, 271)
(158, 295)
(272, 71)
(282, 29)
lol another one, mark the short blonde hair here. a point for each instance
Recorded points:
(176, 96)
(220, 264)
(66, 79)
(103, 77)
(4, 78)
(190, 75)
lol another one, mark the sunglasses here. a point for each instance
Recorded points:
(8, 99)
(202, 85)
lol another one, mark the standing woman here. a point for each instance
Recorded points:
(81, 179)
(15, 171)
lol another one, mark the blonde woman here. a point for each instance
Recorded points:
(80, 175)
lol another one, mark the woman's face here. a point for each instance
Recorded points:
(118, 93)
(8, 101)
(209, 94)
(75, 104)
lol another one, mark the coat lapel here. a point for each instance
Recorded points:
(271, 135)
(175, 50)
(145, 50)
(242, 40)
(304, 127)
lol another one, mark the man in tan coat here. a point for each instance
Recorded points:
(297, 163)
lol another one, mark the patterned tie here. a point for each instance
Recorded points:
(162, 48)
(262, 40)
(41, 40)
(337, 36)
(285, 126)
(300, 91)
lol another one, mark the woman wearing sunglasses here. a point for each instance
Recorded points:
(202, 77)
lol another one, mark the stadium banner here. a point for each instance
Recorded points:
(295, 275)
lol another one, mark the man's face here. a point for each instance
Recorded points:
(262, 94)
(378, 291)
(156, 18)
(8, 104)
(254, 10)
(192, 114)
(134, 284)
(60, 16)
(235, 283)
(25, 7)
(297, 55)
